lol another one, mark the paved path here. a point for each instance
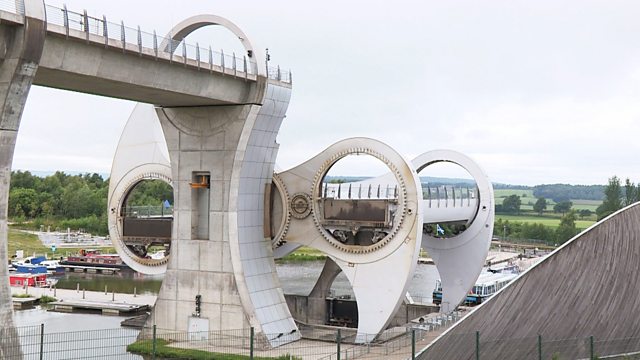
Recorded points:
(73, 295)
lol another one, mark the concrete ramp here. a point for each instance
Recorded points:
(588, 287)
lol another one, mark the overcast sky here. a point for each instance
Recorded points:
(535, 91)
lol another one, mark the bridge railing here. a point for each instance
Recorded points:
(147, 211)
(12, 6)
(150, 43)
(359, 191)
(449, 196)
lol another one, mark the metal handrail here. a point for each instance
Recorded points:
(147, 43)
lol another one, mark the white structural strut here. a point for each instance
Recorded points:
(378, 271)
(459, 259)
(141, 155)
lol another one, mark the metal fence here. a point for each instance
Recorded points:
(35, 342)
(87, 27)
(146, 211)
(474, 346)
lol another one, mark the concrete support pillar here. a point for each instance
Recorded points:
(317, 311)
(21, 52)
(222, 159)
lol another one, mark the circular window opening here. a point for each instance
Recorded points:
(359, 200)
(147, 219)
(451, 199)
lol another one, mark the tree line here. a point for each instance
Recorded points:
(617, 196)
(565, 192)
(535, 231)
(76, 201)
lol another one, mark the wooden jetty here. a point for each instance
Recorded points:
(104, 307)
(24, 303)
(91, 269)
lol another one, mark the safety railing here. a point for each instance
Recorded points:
(475, 346)
(146, 211)
(12, 6)
(35, 342)
(359, 191)
(84, 26)
(449, 196)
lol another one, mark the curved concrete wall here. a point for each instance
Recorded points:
(588, 287)
(251, 254)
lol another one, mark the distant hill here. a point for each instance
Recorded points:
(563, 192)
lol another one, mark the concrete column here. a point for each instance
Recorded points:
(317, 311)
(21, 50)
(218, 247)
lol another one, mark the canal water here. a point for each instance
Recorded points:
(296, 278)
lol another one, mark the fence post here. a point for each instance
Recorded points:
(591, 352)
(477, 345)
(153, 345)
(413, 344)
(41, 341)
(251, 335)
(338, 338)
(539, 347)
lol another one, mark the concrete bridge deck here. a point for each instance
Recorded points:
(110, 59)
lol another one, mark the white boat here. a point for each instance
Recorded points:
(490, 281)
(53, 266)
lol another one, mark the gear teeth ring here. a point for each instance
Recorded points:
(399, 216)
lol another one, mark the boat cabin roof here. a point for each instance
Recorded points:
(490, 278)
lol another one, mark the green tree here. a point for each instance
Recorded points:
(562, 207)
(630, 192)
(585, 213)
(567, 228)
(23, 203)
(540, 206)
(23, 179)
(511, 204)
(612, 198)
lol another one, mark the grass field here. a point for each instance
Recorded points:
(503, 193)
(303, 254)
(529, 200)
(547, 221)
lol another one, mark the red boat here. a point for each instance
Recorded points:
(93, 257)
(39, 280)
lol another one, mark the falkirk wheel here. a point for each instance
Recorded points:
(372, 230)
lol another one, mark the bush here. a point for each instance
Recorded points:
(22, 296)
(45, 299)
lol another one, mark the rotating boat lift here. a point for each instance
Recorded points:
(372, 230)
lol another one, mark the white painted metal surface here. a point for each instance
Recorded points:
(141, 155)
(459, 259)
